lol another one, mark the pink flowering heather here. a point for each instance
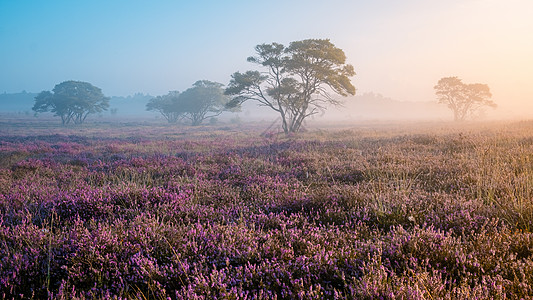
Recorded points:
(207, 213)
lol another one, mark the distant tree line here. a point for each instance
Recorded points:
(297, 81)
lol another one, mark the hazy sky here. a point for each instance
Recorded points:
(398, 48)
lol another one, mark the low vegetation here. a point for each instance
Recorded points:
(205, 213)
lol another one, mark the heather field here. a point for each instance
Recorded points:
(375, 211)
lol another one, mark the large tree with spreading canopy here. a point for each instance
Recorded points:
(297, 81)
(72, 100)
(463, 99)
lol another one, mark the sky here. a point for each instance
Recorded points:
(399, 49)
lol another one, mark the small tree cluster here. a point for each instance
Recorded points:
(204, 100)
(463, 99)
(71, 100)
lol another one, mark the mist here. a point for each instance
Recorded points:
(398, 51)
(366, 150)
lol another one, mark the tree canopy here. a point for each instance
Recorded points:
(463, 99)
(204, 100)
(166, 105)
(299, 80)
(72, 100)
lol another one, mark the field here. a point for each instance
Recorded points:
(409, 211)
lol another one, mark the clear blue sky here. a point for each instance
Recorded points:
(398, 48)
(148, 46)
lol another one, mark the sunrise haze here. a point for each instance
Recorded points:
(399, 48)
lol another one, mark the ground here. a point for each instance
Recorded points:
(391, 210)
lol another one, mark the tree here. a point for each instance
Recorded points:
(71, 100)
(463, 99)
(298, 80)
(167, 106)
(204, 100)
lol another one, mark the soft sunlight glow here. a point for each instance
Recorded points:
(479, 41)
(398, 49)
